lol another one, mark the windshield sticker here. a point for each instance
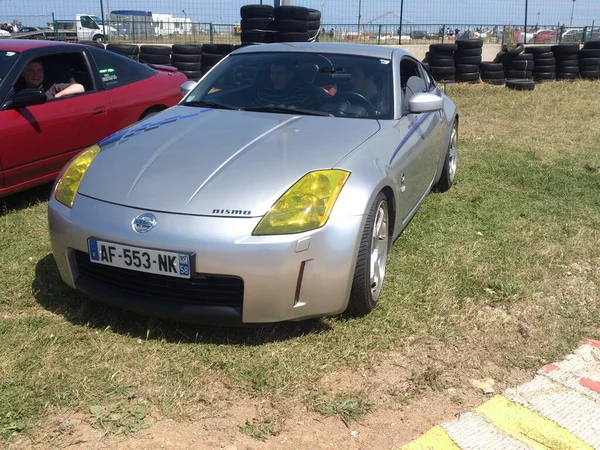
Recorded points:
(103, 71)
(384, 61)
(108, 78)
(11, 53)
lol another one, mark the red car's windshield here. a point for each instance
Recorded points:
(7, 59)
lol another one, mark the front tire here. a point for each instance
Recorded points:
(446, 181)
(369, 271)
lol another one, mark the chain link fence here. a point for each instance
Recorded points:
(400, 22)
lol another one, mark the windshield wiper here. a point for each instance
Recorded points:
(284, 110)
(214, 105)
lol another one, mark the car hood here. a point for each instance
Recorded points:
(217, 162)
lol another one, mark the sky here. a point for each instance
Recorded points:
(476, 12)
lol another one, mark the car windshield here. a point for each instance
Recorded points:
(299, 83)
(7, 60)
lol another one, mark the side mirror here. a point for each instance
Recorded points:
(421, 103)
(187, 87)
(26, 97)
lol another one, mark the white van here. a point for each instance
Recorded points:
(89, 28)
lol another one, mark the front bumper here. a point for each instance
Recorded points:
(287, 277)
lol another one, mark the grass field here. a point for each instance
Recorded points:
(502, 272)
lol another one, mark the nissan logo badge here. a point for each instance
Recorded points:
(144, 223)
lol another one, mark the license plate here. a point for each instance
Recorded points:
(160, 262)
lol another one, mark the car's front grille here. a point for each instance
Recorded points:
(209, 290)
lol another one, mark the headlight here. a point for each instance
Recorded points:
(306, 205)
(67, 186)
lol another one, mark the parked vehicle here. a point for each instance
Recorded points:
(262, 197)
(90, 28)
(168, 25)
(38, 136)
(132, 24)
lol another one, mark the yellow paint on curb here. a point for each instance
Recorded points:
(435, 438)
(528, 427)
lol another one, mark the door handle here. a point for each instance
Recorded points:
(99, 110)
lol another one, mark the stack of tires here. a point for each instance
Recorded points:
(130, 50)
(441, 62)
(519, 66)
(212, 54)
(467, 59)
(256, 24)
(589, 60)
(155, 54)
(492, 73)
(187, 58)
(296, 24)
(567, 61)
(544, 63)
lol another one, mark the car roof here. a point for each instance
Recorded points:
(376, 51)
(20, 45)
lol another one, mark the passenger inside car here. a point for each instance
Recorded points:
(35, 77)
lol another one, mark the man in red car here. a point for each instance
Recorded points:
(33, 75)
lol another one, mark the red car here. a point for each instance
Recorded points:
(38, 136)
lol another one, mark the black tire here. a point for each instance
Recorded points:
(96, 44)
(491, 67)
(257, 23)
(314, 14)
(217, 49)
(314, 25)
(362, 300)
(291, 13)
(522, 65)
(544, 55)
(187, 66)
(469, 52)
(589, 61)
(124, 49)
(468, 77)
(544, 75)
(187, 49)
(520, 85)
(445, 70)
(469, 43)
(494, 81)
(567, 57)
(522, 74)
(565, 49)
(467, 68)
(588, 53)
(155, 59)
(299, 26)
(156, 49)
(489, 75)
(590, 74)
(593, 45)
(523, 57)
(257, 36)
(566, 76)
(192, 75)
(210, 59)
(175, 57)
(441, 62)
(290, 37)
(544, 69)
(569, 69)
(448, 176)
(545, 62)
(520, 48)
(443, 48)
(468, 60)
(538, 49)
(256, 11)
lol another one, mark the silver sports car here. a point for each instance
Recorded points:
(272, 192)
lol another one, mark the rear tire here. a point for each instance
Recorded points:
(446, 181)
(369, 271)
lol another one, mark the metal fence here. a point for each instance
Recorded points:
(367, 21)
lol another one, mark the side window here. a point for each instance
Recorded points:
(411, 81)
(87, 22)
(117, 70)
(52, 73)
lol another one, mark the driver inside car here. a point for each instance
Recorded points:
(33, 77)
(365, 81)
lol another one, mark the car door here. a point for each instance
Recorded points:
(38, 140)
(413, 161)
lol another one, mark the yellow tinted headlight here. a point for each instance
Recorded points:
(306, 205)
(68, 184)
